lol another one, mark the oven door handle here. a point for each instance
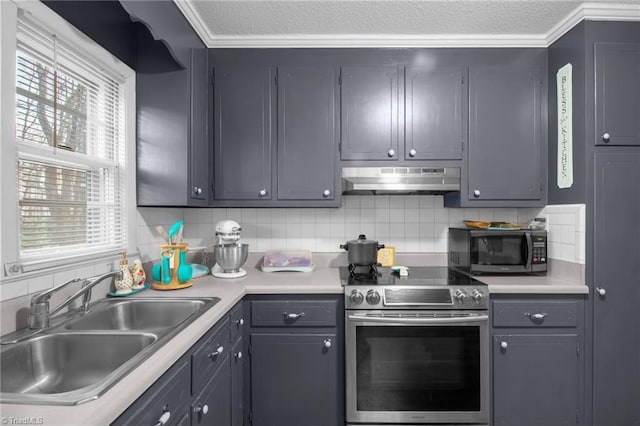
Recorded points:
(413, 320)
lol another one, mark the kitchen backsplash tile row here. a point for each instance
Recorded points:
(415, 224)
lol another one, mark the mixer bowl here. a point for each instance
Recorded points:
(231, 256)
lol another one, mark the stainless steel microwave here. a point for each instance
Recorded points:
(488, 251)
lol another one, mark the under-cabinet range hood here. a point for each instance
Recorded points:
(400, 180)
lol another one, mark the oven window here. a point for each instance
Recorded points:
(498, 250)
(416, 368)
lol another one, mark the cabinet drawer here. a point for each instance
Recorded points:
(267, 313)
(168, 397)
(211, 354)
(534, 314)
(237, 323)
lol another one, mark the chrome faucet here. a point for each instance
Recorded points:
(40, 314)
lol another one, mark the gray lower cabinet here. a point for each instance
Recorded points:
(616, 328)
(617, 107)
(296, 361)
(369, 113)
(204, 387)
(537, 360)
(243, 132)
(506, 135)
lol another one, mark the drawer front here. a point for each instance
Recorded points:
(268, 313)
(167, 399)
(534, 314)
(210, 356)
(236, 323)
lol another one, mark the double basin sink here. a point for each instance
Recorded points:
(79, 359)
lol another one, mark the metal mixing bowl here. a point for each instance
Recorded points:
(231, 256)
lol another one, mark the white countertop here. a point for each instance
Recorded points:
(323, 280)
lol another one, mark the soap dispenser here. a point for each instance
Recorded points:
(125, 284)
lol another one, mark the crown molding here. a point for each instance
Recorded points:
(586, 11)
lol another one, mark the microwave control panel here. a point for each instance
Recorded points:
(539, 249)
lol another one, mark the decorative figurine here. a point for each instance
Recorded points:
(138, 275)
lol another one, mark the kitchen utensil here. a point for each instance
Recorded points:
(166, 270)
(229, 253)
(163, 233)
(362, 252)
(185, 272)
(231, 256)
(156, 272)
(174, 230)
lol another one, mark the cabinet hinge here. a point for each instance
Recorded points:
(462, 79)
(462, 146)
(340, 146)
(212, 78)
(578, 351)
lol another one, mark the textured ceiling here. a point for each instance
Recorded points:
(255, 20)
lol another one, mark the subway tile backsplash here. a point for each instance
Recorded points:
(413, 224)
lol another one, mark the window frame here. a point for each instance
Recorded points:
(14, 267)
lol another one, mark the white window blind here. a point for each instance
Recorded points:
(70, 136)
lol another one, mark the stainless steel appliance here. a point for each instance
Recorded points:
(497, 251)
(417, 347)
(400, 180)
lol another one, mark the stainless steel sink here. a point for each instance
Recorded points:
(137, 314)
(78, 360)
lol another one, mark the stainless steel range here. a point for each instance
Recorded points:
(417, 347)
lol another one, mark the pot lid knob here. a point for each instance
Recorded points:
(362, 237)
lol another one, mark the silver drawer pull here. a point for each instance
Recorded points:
(164, 418)
(292, 316)
(535, 317)
(216, 352)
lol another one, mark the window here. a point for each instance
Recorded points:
(72, 139)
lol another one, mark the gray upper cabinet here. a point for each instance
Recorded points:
(306, 133)
(199, 151)
(505, 134)
(434, 113)
(243, 133)
(370, 113)
(617, 100)
(616, 329)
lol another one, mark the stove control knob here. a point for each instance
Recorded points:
(459, 295)
(477, 297)
(373, 297)
(356, 297)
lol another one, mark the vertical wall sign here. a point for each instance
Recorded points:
(565, 127)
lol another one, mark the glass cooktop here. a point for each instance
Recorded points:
(418, 276)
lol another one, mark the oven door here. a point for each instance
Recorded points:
(417, 367)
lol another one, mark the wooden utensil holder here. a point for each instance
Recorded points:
(174, 264)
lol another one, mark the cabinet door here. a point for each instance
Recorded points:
(616, 370)
(294, 380)
(617, 100)
(369, 111)
(306, 133)
(535, 380)
(433, 113)
(199, 158)
(237, 367)
(213, 405)
(505, 134)
(243, 139)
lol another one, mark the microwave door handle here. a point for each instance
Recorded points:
(414, 320)
(529, 250)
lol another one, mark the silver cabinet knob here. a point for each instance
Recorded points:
(327, 343)
(262, 192)
(326, 193)
(240, 321)
(503, 345)
(200, 408)
(606, 137)
(412, 152)
(476, 193)
(601, 291)
(238, 355)
(391, 152)
(197, 190)
(217, 352)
